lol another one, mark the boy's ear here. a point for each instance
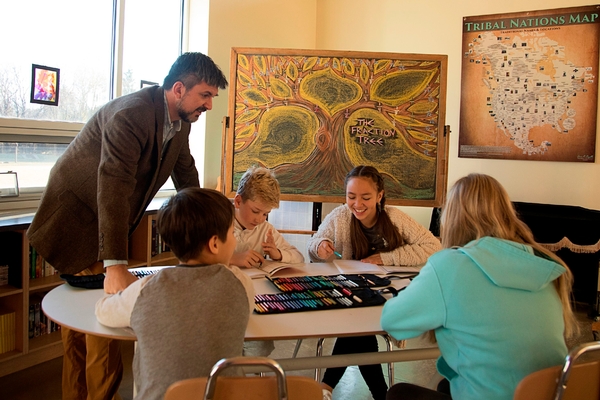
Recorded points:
(213, 245)
(237, 201)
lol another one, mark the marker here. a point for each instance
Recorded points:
(349, 293)
(368, 280)
(338, 255)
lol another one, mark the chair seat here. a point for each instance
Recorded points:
(583, 379)
(247, 388)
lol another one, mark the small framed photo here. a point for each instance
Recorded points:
(144, 84)
(45, 83)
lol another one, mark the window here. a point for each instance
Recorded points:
(102, 49)
(148, 53)
(72, 35)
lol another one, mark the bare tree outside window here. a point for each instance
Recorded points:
(75, 38)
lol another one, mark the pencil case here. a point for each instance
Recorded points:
(97, 281)
(323, 282)
(84, 281)
(313, 300)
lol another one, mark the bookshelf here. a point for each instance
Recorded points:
(21, 290)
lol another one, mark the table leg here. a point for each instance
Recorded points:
(389, 346)
(298, 344)
(319, 354)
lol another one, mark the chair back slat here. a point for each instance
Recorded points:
(570, 381)
(568, 366)
(246, 387)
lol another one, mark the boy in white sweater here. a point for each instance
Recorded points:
(257, 239)
(257, 195)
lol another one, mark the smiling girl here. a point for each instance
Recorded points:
(366, 229)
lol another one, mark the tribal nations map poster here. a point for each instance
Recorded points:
(529, 85)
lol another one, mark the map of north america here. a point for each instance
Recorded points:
(531, 84)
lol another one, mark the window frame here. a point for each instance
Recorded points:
(44, 131)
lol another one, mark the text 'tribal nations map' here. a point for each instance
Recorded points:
(529, 85)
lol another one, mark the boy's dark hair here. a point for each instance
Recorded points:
(194, 68)
(191, 217)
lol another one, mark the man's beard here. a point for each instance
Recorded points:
(189, 117)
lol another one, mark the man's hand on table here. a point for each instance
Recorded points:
(117, 278)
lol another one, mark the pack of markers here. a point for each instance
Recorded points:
(312, 300)
(324, 282)
(311, 293)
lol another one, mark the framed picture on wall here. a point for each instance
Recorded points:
(45, 85)
(530, 85)
(313, 115)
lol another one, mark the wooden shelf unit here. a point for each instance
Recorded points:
(17, 294)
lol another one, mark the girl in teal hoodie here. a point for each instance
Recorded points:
(496, 301)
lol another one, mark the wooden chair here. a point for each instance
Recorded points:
(551, 383)
(278, 387)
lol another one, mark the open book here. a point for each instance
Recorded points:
(359, 267)
(270, 268)
(402, 269)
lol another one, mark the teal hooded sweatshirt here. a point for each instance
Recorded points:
(496, 315)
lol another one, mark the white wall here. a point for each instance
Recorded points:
(400, 26)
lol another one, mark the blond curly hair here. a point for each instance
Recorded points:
(259, 184)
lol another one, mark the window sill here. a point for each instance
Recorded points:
(22, 204)
(27, 203)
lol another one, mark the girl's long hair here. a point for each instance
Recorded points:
(478, 206)
(360, 244)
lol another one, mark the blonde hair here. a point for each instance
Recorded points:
(259, 184)
(478, 206)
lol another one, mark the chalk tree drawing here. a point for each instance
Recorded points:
(311, 116)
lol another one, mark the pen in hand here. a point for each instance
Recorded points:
(338, 255)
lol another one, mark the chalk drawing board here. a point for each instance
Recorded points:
(313, 115)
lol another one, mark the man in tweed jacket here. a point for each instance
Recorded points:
(98, 192)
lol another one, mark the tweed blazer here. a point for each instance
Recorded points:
(100, 187)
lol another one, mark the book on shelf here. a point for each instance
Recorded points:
(3, 275)
(158, 245)
(359, 267)
(270, 268)
(39, 268)
(32, 258)
(39, 324)
(31, 328)
(153, 250)
(7, 330)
